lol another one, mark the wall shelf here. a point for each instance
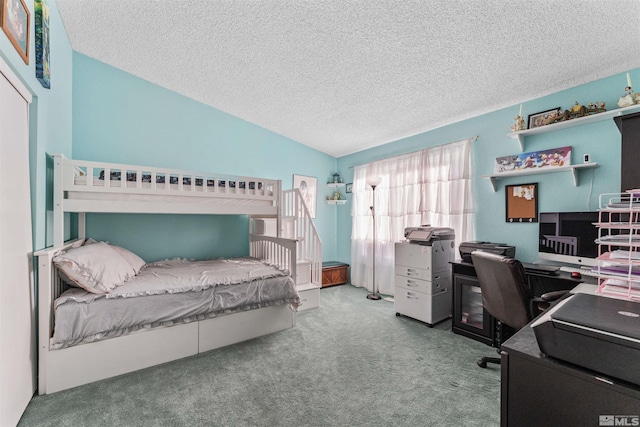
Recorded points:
(336, 202)
(572, 168)
(523, 134)
(335, 184)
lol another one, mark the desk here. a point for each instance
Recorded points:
(469, 317)
(540, 391)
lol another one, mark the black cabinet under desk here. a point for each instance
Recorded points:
(470, 319)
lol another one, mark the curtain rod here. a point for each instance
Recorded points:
(472, 138)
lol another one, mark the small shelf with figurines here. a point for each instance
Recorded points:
(335, 181)
(336, 198)
(618, 242)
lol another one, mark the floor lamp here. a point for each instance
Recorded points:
(374, 181)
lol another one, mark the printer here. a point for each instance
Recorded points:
(497, 248)
(426, 234)
(595, 332)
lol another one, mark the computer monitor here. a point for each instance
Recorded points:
(568, 237)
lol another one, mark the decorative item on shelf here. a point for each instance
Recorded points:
(627, 99)
(519, 124)
(336, 178)
(577, 110)
(337, 195)
(545, 117)
(596, 107)
(555, 157)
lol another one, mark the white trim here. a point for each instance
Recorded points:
(8, 73)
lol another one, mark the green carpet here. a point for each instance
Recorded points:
(351, 362)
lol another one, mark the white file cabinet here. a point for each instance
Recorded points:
(423, 280)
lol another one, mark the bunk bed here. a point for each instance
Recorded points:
(83, 187)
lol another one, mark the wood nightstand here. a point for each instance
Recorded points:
(334, 273)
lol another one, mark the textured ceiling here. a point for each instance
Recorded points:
(342, 76)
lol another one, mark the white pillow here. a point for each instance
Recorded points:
(97, 268)
(134, 260)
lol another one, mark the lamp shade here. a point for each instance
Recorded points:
(374, 181)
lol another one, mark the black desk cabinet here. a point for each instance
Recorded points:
(540, 391)
(469, 317)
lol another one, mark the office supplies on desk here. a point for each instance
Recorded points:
(595, 332)
(583, 271)
(540, 269)
(496, 248)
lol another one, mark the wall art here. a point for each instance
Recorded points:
(552, 158)
(41, 13)
(15, 24)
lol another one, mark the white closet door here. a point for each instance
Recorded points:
(17, 320)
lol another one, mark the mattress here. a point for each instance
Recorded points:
(167, 293)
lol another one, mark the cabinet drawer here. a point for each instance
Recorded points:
(412, 272)
(426, 308)
(439, 283)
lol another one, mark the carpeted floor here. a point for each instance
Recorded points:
(351, 362)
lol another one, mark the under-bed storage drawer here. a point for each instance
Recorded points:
(240, 326)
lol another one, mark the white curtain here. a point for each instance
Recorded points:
(432, 186)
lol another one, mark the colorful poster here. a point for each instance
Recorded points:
(555, 157)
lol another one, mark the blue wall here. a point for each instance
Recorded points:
(556, 190)
(120, 118)
(50, 115)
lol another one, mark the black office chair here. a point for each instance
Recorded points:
(506, 294)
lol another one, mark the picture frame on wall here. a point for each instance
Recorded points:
(521, 202)
(41, 14)
(308, 186)
(349, 188)
(543, 117)
(15, 23)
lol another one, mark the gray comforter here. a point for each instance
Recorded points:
(170, 292)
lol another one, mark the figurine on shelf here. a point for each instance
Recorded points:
(627, 99)
(337, 195)
(519, 124)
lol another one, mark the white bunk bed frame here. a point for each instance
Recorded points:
(76, 189)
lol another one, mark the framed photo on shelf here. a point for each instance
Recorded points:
(308, 187)
(16, 25)
(349, 188)
(521, 202)
(543, 117)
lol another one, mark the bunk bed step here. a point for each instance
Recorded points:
(309, 296)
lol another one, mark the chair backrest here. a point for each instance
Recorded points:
(505, 293)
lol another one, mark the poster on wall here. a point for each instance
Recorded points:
(308, 186)
(553, 158)
(43, 73)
